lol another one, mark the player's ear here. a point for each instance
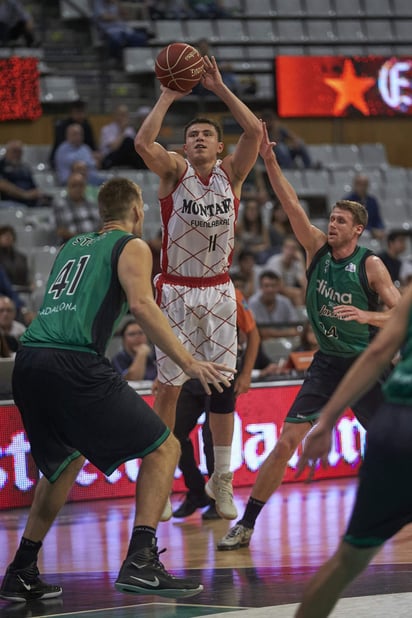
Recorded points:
(220, 147)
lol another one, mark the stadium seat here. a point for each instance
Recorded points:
(292, 50)
(320, 30)
(168, 31)
(378, 8)
(45, 180)
(350, 50)
(264, 86)
(317, 181)
(378, 30)
(291, 31)
(263, 8)
(321, 50)
(319, 8)
(13, 213)
(138, 60)
(200, 29)
(41, 260)
(231, 31)
(342, 180)
(322, 153)
(349, 8)
(350, 30)
(261, 30)
(373, 155)
(37, 156)
(277, 349)
(402, 8)
(291, 8)
(58, 89)
(346, 155)
(395, 174)
(296, 179)
(395, 212)
(403, 30)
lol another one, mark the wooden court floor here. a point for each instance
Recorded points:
(297, 530)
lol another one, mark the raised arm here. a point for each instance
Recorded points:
(167, 165)
(240, 162)
(309, 236)
(134, 268)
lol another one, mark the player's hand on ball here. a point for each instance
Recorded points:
(211, 77)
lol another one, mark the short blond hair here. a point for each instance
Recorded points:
(359, 212)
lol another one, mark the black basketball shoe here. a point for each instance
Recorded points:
(25, 585)
(143, 573)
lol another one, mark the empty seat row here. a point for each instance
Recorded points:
(239, 31)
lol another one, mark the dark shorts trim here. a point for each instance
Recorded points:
(148, 450)
(63, 466)
(363, 543)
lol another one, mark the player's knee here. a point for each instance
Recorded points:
(171, 448)
(353, 560)
(286, 446)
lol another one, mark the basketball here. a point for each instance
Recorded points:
(179, 66)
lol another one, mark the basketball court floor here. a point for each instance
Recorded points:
(297, 530)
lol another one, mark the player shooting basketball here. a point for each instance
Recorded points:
(199, 197)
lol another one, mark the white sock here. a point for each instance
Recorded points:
(222, 458)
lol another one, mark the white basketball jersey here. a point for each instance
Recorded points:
(199, 225)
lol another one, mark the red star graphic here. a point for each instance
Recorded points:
(350, 89)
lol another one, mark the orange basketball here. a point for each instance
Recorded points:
(179, 66)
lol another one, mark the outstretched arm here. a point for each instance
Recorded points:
(357, 381)
(310, 237)
(241, 161)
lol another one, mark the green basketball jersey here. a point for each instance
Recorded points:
(339, 282)
(398, 387)
(84, 300)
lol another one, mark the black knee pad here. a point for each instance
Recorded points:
(224, 402)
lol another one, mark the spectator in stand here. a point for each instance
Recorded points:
(12, 260)
(391, 256)
(16, 178)
(77, 115)
(359, 193)
(271, 309)
(24, 315)
(248, 271)
(11, 328)
(74, 149)
(290, 266)
(167, 9)
(15, 22)
(117, 142)
(251, 233)
(291, 151)
(75, 214)
(137, 360)
(279, 228)
(208, 9)
(111, 19)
